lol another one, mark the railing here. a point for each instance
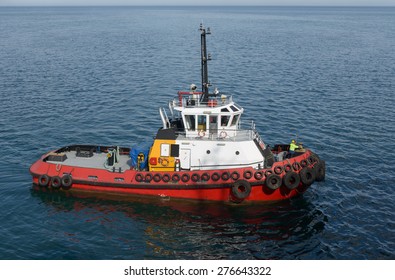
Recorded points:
(220, 135)
(192, 99)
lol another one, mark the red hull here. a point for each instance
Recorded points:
(197, 185)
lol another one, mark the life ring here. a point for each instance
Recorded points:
(304, 163)
(166, 178)
(225, 176)
(67, 182)
(201, 133)
(287, 167)
(235, 175)
(175, 177)
(148, 177)
(296, 166)
(241, 189)
(307, 176)
(247, 174)
(185, 177)
(58, 167)
(157, 177)
(278, 169)
(56, 182)
(164, 161)
(291, 180)
(258, 175)
(273, 181)
(215, 176)
(139, 177)
(319, 169)
(205, 177)
(223, 134)
(43, 180)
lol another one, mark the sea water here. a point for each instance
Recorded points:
(86, 75)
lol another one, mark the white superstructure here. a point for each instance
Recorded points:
(209, 134)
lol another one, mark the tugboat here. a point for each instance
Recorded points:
(201, 152)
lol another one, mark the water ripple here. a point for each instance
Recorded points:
(98, 75)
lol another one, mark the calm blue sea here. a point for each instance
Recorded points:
(98, 75)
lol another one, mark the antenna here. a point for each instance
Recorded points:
(204, 59)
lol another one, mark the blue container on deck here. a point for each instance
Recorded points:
(134, 155)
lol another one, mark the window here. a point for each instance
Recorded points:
(235, 119)
(234, 109)
(224, 110)
(225, 120)
(190, 122)
(202, 120)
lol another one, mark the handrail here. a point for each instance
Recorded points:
(241, 134)
(186, 99)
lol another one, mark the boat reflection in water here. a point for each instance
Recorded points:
(140, 227)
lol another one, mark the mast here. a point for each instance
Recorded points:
(204, 59)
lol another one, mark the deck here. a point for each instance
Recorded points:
(97, 160)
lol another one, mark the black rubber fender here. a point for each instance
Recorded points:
(166, 178)
(175, 177)
(307, 176)
(273, 181)
(311, 159)
(304, 163)
(278, 169)
(43, 180)
(287, 167)
(148, 177)
(56, 182)
(225, 176)
(67, 182)
(157, 177)
(139, 177)
(259, 175)
(291, 180)
(319, 169)
(241, 189)
(205, 177)
(185, 177)
(195, 177)
(268, 172)
(296, 166)
(247, 174)
(235, 175)
(215, 176)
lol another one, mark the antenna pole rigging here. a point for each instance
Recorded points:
(204, 59)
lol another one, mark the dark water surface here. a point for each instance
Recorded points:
(98, 75)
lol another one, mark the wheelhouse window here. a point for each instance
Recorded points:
(235, 119)
(225, 120)
(202, 121)
(190, 122)
(234, 108)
